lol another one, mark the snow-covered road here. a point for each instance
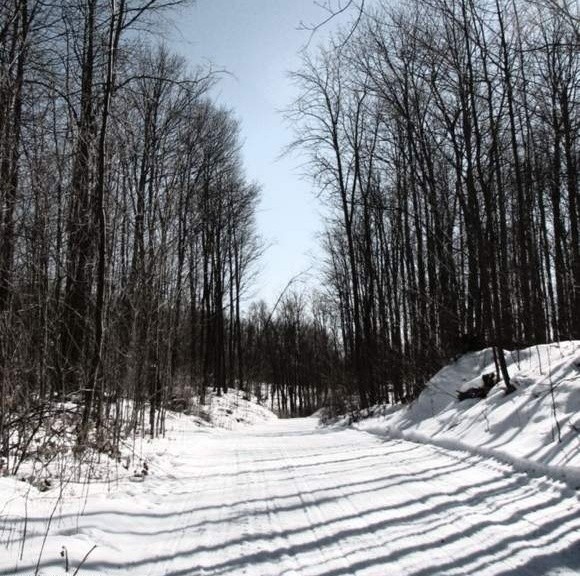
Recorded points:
(289, 498)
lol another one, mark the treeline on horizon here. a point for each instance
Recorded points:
(442, 136)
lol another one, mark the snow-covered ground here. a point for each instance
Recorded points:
(233, 410)
(457, 488)
(536, 428)
(290, 498)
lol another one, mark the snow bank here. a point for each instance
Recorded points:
(537, 428)
(62, 470)
(234, 410)
(45, 524)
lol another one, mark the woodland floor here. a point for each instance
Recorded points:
(287, 497)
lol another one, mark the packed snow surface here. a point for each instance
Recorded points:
(288, 497)
(536, 428)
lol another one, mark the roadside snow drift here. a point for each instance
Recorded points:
(234, 410)
(536, 428)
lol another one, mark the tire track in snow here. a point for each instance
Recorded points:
(260, 483)
(182, 519)
(318, 520)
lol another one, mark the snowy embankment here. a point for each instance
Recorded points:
(535, 429)
(233, 410)
(40, 507)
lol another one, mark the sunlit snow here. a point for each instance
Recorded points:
(289, 497)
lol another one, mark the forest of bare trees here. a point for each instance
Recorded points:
(443, 137)
(127, 233)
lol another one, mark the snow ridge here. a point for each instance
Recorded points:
(535, 429)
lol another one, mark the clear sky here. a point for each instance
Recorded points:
(258, 42)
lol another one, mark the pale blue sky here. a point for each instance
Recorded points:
(258, 42)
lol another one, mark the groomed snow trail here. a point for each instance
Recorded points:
(289, 498)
